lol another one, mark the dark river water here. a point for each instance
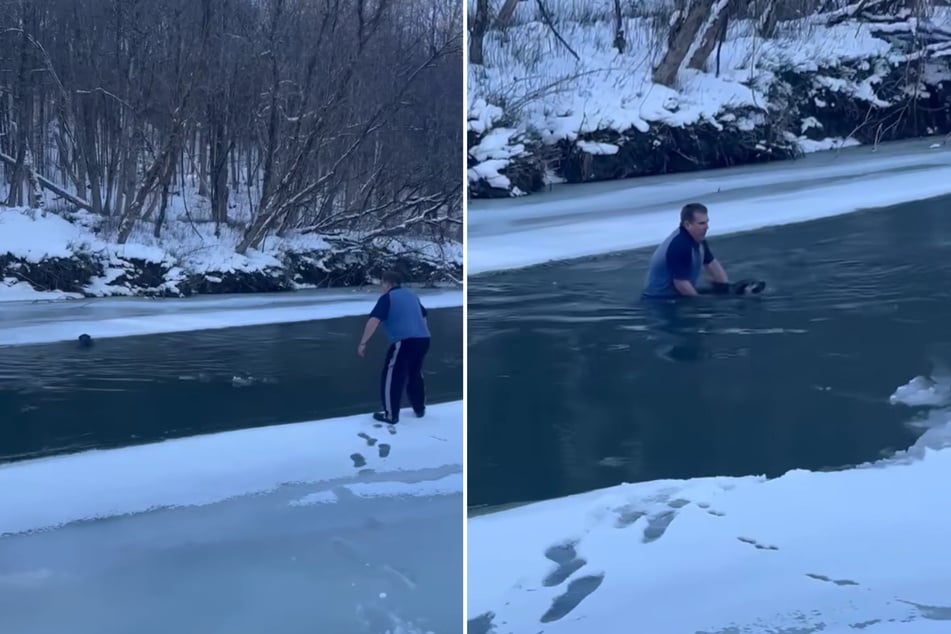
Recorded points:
(574, 384)
(57, 398)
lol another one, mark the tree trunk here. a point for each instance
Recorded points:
(619, 42)
(686, 40)
(715, 31)
(504, 18)
(477, 32)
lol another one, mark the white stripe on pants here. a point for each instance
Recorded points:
(387, 397)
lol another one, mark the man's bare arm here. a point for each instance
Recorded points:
(369, 329)
(684, 287)
(716, 272)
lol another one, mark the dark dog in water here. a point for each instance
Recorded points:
(743, 287)
(85, 341)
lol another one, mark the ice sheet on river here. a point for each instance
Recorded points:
(101, 318)
(327, 526)
(253, 565)
(582, 220)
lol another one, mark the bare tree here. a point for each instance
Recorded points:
(277, 114)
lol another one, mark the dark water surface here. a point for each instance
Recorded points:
(574, 384)
(56, 397)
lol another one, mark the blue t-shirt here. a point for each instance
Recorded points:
(679, 257)
(401, 314)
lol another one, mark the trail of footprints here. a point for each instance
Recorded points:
(658, 522)
(568, 562)
(664, 511)
(382, 448)
(566, 558)
(660, 512)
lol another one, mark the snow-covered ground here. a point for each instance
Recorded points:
(580, 220)
(336, 525)
(854, 550)
(123, 317)
(532, 87)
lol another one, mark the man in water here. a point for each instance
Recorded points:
(404, 320)
(676, 264)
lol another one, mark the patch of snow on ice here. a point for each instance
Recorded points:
(448, 485)
(922, 391)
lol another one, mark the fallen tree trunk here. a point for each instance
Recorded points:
(49, 185)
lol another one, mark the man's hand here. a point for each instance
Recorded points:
(362, 349)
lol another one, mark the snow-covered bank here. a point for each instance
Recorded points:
(615, 217)
(860, 548)
(202, 470)
(537, 114)
(55, 255)
(186, 315)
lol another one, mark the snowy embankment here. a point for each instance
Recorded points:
(599, 218)
(343, 456)
(538, 115)
(857, 549)
(57, 255)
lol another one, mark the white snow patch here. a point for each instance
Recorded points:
(321, 497)
(923, 391)
(809, 145)
(14, 290)
(490, 171)
(447, 485)
(33, 236)
(598, 148)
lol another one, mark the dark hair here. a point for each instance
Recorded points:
(690, 211)
(392, 278)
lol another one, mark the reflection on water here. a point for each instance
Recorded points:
(576, 384)
(60, 397)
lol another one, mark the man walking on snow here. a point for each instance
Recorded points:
(404, 319)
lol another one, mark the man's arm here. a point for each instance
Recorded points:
(679, 260)
(425, 313)
(380, 312)
(712, 265)
(372, 324)
(684, 287)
